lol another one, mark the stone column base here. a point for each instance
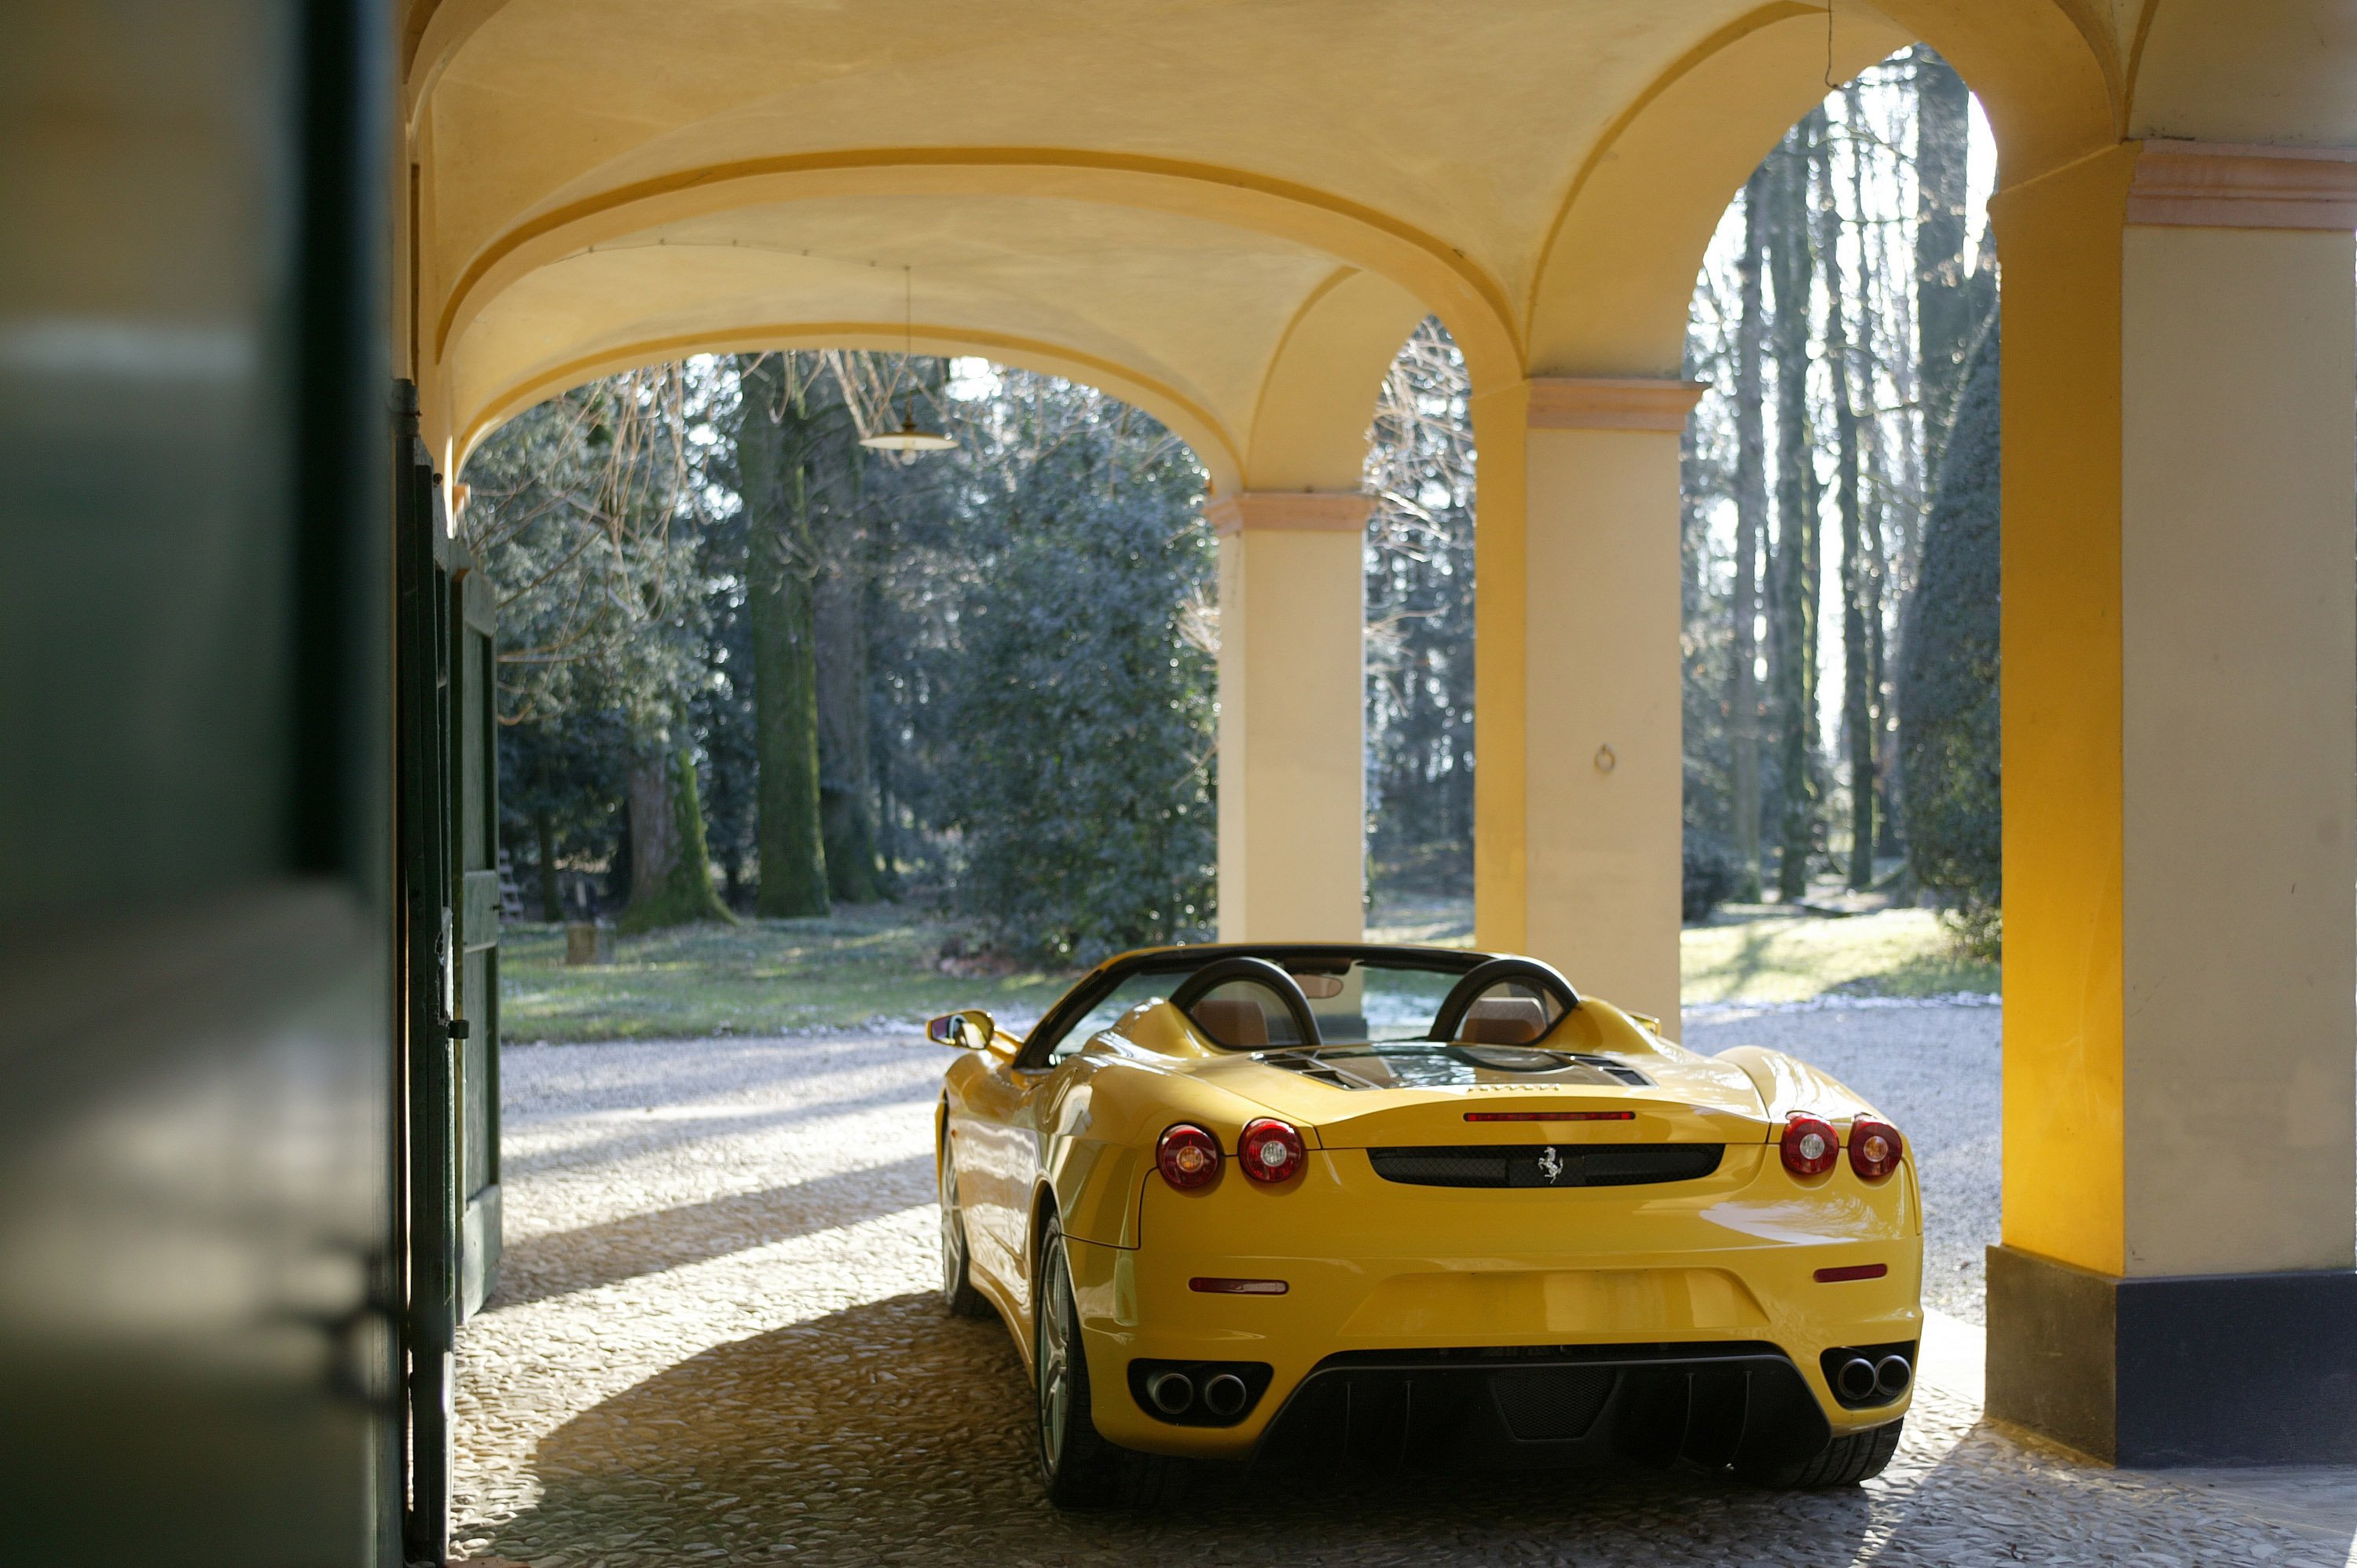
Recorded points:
(2177, 1370)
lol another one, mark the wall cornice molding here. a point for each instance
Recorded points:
(2222, 185)
(1612, 403)
(1289, 511)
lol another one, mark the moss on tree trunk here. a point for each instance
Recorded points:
(779, 603)
(785, 730)
(846, 781)
(671, 868)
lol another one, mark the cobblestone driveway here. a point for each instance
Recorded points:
(715, 1341)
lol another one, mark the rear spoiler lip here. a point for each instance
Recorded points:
(1692, 1125)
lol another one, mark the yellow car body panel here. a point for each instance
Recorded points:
(1374, 1264)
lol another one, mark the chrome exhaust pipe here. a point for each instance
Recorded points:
(1173, 1394)
(1855, 1379)
(1225, 1395)
(1891, 1376)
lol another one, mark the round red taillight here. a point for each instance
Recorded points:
(1874, 1148)
(1811, 1145)
(1188, 1156)
(1270, 1151)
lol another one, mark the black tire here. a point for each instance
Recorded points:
(1843, 1462)
(958, 1294)
(1078, 1467)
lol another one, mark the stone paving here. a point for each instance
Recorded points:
(715, 1341)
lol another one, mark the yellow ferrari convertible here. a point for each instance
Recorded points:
(1312, 1206)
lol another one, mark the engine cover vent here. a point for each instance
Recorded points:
(1546, 1164)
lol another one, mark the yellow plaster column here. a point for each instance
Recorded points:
(1501, 573)
(2180, 803)
(1579, 785)
(1292, 715)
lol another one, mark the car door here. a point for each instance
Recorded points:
(996, 1148)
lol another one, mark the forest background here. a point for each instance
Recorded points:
(752, 666)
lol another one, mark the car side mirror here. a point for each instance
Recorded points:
(972, 1030)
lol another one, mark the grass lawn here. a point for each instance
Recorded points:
(757, 978)
(870, 965)
(1757, 953)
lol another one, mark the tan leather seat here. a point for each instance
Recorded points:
(1234, 1021)
(1502, 1021)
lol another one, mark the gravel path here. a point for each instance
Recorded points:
(715, 1341)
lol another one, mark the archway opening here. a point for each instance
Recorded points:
(884, 671)
(1842, 881)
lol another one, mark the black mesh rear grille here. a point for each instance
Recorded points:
(1546, 1164)
(1558, 1403)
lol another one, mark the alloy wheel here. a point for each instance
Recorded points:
(954, 1255)
(1055, 1362)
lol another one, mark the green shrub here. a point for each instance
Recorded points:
(1948, 712)
(1711, 875)
(1086, 724)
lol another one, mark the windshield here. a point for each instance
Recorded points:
(1354, 1001)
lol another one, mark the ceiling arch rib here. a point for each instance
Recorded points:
(1620, 277)
(2050, 73)
(1612, 294)
(435, 31)
(1178, 315)
(1182, 417)
(1467, 299)
(1309, 423)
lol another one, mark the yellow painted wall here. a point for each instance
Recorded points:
(2239, 747)
(1601, 634)
(2060, 237)
(2247, 71)
(2180, 736)
(1291, 778)
(1501, 573)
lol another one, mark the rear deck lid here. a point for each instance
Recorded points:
(1420, 1093)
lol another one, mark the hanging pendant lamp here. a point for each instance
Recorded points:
(912, 437)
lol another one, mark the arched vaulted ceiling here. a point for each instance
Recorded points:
(1229, 212)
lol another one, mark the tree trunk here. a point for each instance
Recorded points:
(846, 781)
(1859, 706)
(552, 896)
(1794, 569)
(1751, 528)
(671, 869)
(654, 835)
(1873, 288)
(779, 603)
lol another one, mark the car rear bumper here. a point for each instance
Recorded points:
(1716, 1402)
(1714, 1277)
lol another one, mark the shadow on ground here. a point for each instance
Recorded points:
(890, 1432)
(538, 1267)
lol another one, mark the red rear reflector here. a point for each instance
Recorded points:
(1810, 1143)
(1238, 1287)
(1874, 1148)
(1854, 1272)
(1550, 1116)
(1188, 1156)
(1270, 1151)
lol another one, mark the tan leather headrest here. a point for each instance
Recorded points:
(1234, 1021)
(1502, 1021)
